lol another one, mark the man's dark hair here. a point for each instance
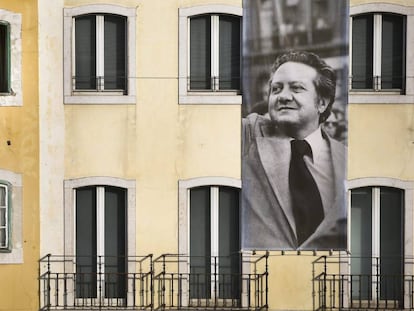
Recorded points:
(325, 84)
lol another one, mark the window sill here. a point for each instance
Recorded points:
(375, 92)
(379, 98)
(100, 99)
(210, 98)
(10, 99)
(14, 256)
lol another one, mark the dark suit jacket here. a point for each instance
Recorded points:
(267, 217)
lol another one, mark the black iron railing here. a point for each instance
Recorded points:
(237, 281)
(67, 282)
(368, 283)
(167, 282)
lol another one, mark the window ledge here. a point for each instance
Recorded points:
(13, 256)
(100, 99)
(10, 99)
(215, 98)
(373, 92)
(379, 98)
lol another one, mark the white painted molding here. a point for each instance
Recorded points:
(186, 97)
(99, 98)
(15, 255)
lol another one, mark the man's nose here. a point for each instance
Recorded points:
(285, 95)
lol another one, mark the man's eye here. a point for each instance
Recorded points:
(276, 89)
(297, 88)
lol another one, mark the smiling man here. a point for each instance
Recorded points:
(293, 173)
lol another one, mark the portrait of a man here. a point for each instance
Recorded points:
(293, 172)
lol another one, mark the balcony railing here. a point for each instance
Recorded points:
(81, 282)
(368, 283)
(211, 282)
(168, 282)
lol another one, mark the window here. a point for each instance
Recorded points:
(4, 217)
(377, 243)
(214, 52)
(10, 58)
(99, 62)
(209, 239)
(11, 248)
(100, 53)
(378, 52)
(210, 54)
(99, 226)
(4, 57)
(101, 242)
(214, 243)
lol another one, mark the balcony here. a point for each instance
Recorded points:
(168, 282)
(368, 283)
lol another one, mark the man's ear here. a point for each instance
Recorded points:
(322, 104)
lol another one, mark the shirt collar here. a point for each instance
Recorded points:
(317, 143)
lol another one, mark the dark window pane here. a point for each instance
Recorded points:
(361, 245)
(362, 52)
(200, 242)
(229, 53)
(4, 58)
(85, 52)
(392, 52)
(229, 243)
(86, 242)
(391, 243)
(200, 53)
(115, 52)
(115, 242)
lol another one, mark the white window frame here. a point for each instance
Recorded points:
(14, 97)
(100, 52)
(377, 54)
(70, 217)
(100, 244)
(6, 226)
(72, 96)
(184, 188)
(202, 97)
(13, 254)
(386, 96)
(377, 182)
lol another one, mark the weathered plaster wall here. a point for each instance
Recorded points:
(19, 153)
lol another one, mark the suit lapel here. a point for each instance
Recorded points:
(274, 154)
(339, 154)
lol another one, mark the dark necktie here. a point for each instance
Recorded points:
(306, 199)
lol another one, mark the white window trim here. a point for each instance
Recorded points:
(408, 188)
(71, 97)
(200, 97)
(70, 186)
(15, 97)
(387, 97)
(15, 253)
(6, 207)
(184, 187)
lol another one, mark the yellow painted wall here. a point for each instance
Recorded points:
(381, 141)
(158, 142)
(19, 125)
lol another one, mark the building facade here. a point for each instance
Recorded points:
(120, 162)
(19, 155)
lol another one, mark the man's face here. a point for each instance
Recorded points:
(293, 102)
